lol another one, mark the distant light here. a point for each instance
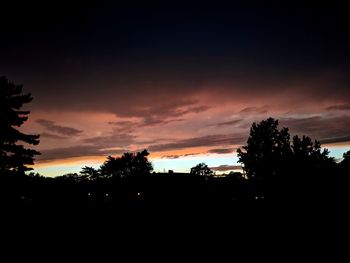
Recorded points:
(256, 197)
(107, 194)
(89, 194)
(138, 193)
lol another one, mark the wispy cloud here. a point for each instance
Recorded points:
(336, 140)
(224, 168)
(62, 130)
(226, 123)
(339, 107)
(52, 136)
(75, 151)
(112, 140)
(325, 129)
(256, 110)
(159, 115)
(222, 150)
(176, 156)
(173, 156)
(209, 140)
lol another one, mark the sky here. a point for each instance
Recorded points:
(184, 81)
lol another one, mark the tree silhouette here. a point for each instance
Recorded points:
(126, 165)
(308, 154)
(14, 157)
(201, 169)
(266, 151)
(345, 163)
(90, 173)
(279, 168)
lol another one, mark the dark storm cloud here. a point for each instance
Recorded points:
(62, 130)
(224, 168)
(209, 140)
(123, 58)
(221, 150)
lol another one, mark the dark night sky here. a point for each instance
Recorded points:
(134, 68)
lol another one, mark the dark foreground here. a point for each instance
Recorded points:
(161, 188)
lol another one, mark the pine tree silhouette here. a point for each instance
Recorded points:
(14, 156)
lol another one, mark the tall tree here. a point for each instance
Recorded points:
(266, 151)
(14, 156)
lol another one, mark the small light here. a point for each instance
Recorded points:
(138, 193)
(107, 194)
(89, 194)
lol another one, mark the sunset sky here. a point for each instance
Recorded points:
(185, 81)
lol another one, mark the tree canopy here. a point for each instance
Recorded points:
(126, 165)
(201, 169)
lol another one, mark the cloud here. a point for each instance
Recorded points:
(175, 156)
(222, 150)
(75, 151)
(209, 140)
(156, 120)
(323, 128)
(256, 110)
(62, 130)
(196, 109)
(335, 140)
(191, 154)
(171, 112)
(112, 140)
(159, 115)
(124, 126)
(224, 168)
(171, 156)
(339, 107)
(226, 123)
(52, 136)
